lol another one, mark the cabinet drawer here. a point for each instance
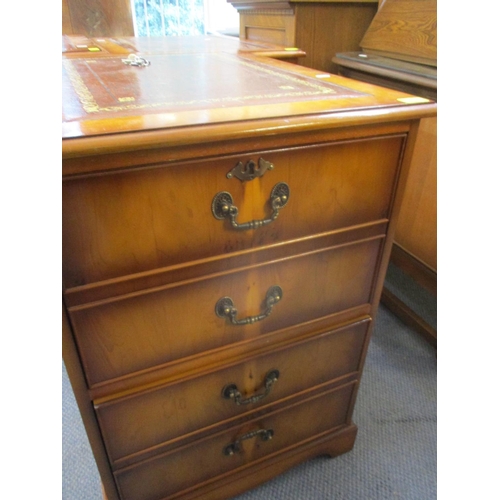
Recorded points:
(206, 459)
(129, 222)
(137, 423)
(135, 333)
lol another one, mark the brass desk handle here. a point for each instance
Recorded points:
(231, 391)
(223, 208)
(225, 307)
(264, 434)
(135, 60)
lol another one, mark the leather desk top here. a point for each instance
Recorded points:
(192, 81)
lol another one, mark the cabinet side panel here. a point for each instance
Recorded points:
(417, 227)
(78, 384)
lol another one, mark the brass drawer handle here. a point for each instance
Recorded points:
(223, 208)
(264, 434)
(225, 307)
(231, 391)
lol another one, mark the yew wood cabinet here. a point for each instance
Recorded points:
(227, 224)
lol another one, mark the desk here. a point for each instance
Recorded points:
(227, 224)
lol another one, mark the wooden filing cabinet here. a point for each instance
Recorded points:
(224, 247)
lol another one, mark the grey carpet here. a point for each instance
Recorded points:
(394, 456)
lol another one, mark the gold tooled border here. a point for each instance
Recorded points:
(320, 88)
(84, 95)
(91, 106)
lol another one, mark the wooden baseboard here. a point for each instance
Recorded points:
(422, 275)
(408, 316)
(415, 268)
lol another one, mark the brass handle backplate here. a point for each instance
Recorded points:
(264, 434)
(225, 307)
(250, 170)
(231, 391)
(223, 207)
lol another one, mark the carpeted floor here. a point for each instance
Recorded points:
(395, 452)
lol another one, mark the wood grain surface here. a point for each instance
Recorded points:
(136, 221)
(404, 29)
(154, 418)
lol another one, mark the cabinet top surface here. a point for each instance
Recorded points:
(193, 81)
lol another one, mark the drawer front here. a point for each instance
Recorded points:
(206, 459)
(130, 222)
(140, 422)
(140, 332)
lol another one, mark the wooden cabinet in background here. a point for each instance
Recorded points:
(400, 52)
(226, 234)
(320, 28)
